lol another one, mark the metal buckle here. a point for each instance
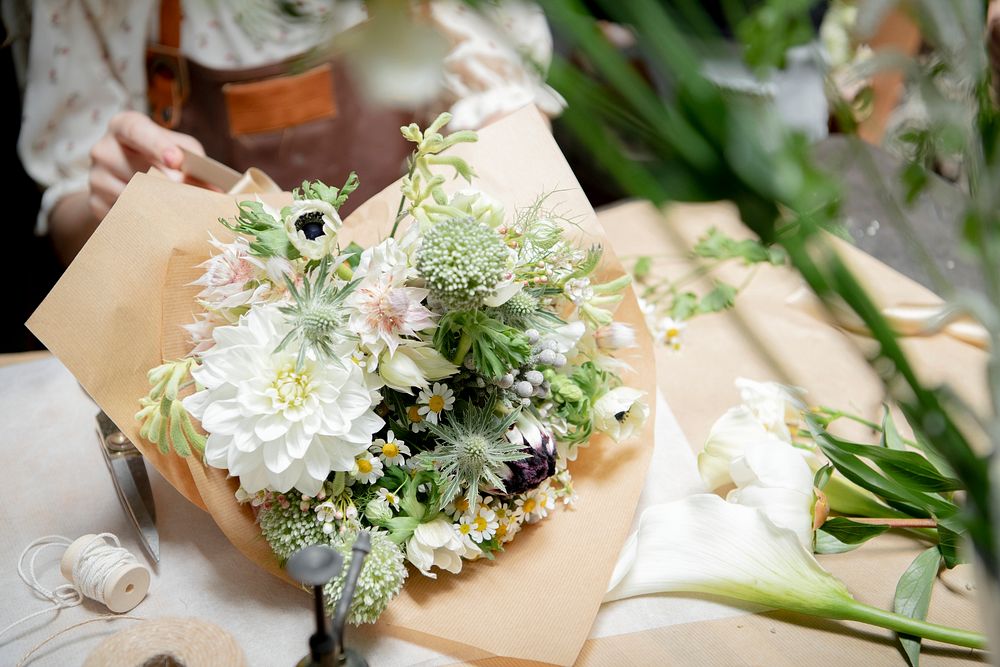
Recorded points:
(168, 83)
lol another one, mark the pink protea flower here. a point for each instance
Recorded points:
(385, 310)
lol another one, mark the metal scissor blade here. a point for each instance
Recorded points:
(128, 472)
(122, 471)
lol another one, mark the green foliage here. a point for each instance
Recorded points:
(913, 597)
(164, 420)
(333, 196)
(496, 348)
(716, 245)
(268, 237)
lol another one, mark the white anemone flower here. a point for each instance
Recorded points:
(620, 413)
(271, 424)
(439, 544)
(312, 226)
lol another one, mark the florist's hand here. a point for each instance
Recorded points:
(133, 143)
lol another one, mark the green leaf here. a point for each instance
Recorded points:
(913, 597)
(643, 266)
(684, 306)
(890, 436)
(908, 468)
(716, 245)
(949, 542)
(355, 257)
(721, 297)
(852, 532)
(916, 503)
(823, 476)
(828, 544)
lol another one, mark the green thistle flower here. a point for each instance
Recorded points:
(318, 316)
(462, 262)
(380, 580)
(472, 451)
(288, 528)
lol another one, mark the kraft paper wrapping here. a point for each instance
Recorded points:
(811, 353)
(110, 319)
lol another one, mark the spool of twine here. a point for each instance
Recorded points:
(168, 642)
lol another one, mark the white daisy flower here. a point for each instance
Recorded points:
(458, 506)
(367, 469)
(536, 505)
(432, 403)
(390, 497)
(390, 450)
(417, 421)
(481, 526)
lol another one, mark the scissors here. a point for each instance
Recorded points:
(128, 471)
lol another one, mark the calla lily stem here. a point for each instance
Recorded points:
(895, 523)
(856, 611)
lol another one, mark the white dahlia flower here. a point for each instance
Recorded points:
(272, 425)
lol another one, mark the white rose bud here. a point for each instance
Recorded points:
(615, 336)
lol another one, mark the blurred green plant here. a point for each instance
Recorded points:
(690, 140)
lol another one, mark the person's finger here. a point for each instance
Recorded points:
(105, 185)
(188, 142)
(121, 161)
(98, 206)
(142, 135)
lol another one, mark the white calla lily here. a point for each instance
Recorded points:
(775, 479)
(777, 407)
(726, 442)
(702, 544)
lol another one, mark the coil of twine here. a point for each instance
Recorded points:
(189, 642)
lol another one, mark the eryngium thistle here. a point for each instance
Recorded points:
(287, 528)
(472, 451)
(462, 262)
(380, 580)
(318, 315)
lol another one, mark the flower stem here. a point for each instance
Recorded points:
(857, 611)
(464, 345)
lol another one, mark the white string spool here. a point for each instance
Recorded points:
(107, 573)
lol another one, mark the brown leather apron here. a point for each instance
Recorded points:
(295, 125)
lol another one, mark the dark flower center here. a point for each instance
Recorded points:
(621, 416)
(310, 224)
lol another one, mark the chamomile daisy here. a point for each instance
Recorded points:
(367, 468)
(390, 497)
(390, 450)
(417, 421)
(480, 526)
(536, 505)
(432, 403)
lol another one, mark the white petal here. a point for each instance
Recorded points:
(276, 459)
(702, 544)
(222, 417)
(271, 427)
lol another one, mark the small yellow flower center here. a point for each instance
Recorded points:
(436, 403)
(502, 530)
(465, 528)
(291, 387)
(529, 505)
(480, 524)
(461, 504)
(390, 450)
(672, 332)
(364, 466)
(391, 498)
(414, 416)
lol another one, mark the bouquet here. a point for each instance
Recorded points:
(429, 389)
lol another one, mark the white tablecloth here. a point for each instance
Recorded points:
(55, 482)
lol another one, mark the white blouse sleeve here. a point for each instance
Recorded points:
(486, 73)
(85, 64)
